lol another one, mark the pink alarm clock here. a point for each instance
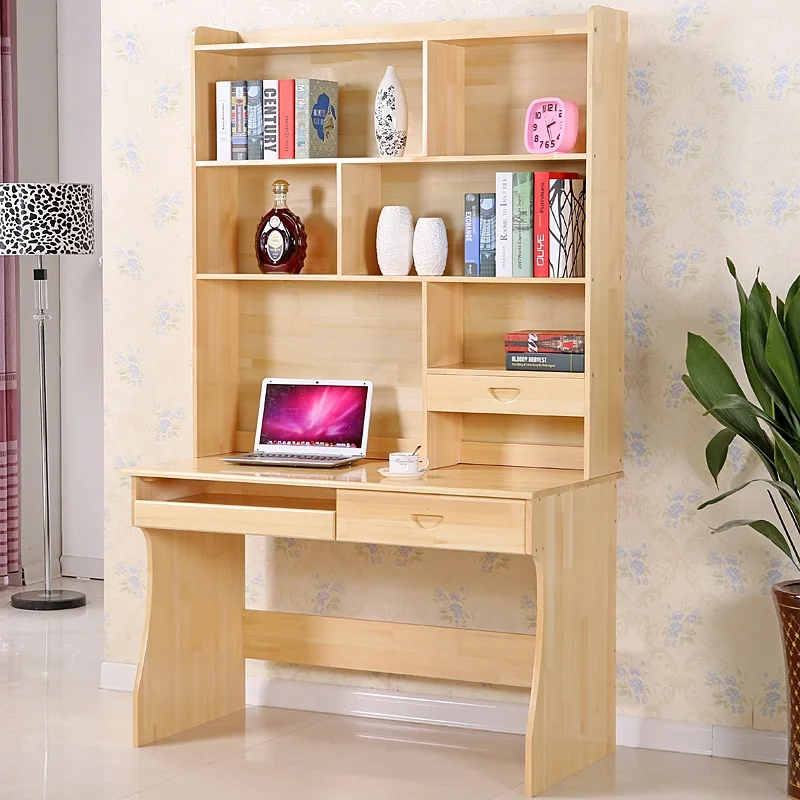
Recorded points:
(551, 125)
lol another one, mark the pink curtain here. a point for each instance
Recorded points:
(9, 302)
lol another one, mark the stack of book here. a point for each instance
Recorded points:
(545, 351)
(271, 119)
(532, 226)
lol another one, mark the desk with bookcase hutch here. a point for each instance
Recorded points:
(524, 463)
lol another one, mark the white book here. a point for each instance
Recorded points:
(503, 192)
(270, 94)
(223, 120)
(567, 228)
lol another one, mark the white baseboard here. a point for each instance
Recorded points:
(79, 567)
(34, 572)
(644, 732)
(117, 677)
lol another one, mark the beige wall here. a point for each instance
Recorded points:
(713, 170)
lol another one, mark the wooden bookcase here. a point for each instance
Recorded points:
(432, 346)
(523, 463)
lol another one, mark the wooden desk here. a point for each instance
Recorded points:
(198, 632)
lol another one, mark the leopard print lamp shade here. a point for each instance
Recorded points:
(46, 219)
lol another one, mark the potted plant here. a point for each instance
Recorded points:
(770, 343)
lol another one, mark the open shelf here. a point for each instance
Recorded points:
(279, 276)
(493, 371)
(495, 158)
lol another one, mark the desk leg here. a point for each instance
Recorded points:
(572, 720)
(191, 669)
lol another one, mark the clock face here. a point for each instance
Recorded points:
(551, 125)
(548, 125)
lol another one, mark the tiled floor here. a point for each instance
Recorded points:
(61, 738)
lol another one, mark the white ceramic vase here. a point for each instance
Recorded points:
(430, 246)
(391, 115)
(395, 240)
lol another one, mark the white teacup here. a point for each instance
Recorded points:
(407, 463)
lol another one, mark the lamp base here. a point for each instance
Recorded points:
(42, 600)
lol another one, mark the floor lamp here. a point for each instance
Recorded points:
(40, 219)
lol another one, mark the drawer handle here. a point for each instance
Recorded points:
(504, 395)
(428, 521)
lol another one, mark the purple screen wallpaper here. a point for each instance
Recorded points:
(323, 416)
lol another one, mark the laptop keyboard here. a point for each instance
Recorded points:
(291, 457)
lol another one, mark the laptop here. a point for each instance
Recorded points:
(308, 423)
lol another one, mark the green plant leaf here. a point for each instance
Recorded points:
(756, 328)
(766, 529)
(780, 307)
(791, 319)
(739, 403)
(788, 492)
(711, 379)
(717, 452)
(762, 395)
(781, 361)
(729, 419)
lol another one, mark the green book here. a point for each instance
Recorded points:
(522, 225)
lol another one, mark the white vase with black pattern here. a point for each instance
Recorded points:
(391, 115)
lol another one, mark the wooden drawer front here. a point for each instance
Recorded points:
(427, 520)
(545, 395)
(297, 522)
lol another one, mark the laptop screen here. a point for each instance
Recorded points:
(313, 415)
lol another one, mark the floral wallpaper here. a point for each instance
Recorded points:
(713, 170)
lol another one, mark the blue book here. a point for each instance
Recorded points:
(472, 238)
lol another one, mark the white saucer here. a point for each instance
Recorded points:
(386, 474)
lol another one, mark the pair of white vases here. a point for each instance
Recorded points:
(400, 243)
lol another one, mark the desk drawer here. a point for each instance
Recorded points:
(427, 520)
(545, 395)
(242, 514)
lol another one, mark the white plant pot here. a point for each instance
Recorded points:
(391, 115)
(395, 240)
(430, 246)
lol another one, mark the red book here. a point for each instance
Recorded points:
(541, 220)
(286, 119)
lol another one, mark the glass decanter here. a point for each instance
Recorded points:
(281, 241)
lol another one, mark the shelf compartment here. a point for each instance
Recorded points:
(501, 79)
(466, 323)
(231, 203)
(521, 441)
(335, 331)
(357, 71)
(432, 189)
(528, 394)
(240, 514)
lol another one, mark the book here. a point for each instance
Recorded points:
(487, 234)
(545, 342)
(286, 119)
(503, 201)
(567, 225)
(541, 220)
(522, 224)
(223, 120)
(239, 120)
(255, 122)
(472, 239)
(316, 118)
(269, 111)
(545, 362)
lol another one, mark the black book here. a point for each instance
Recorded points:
(545, 362)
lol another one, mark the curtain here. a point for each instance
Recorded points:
(9, 307)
